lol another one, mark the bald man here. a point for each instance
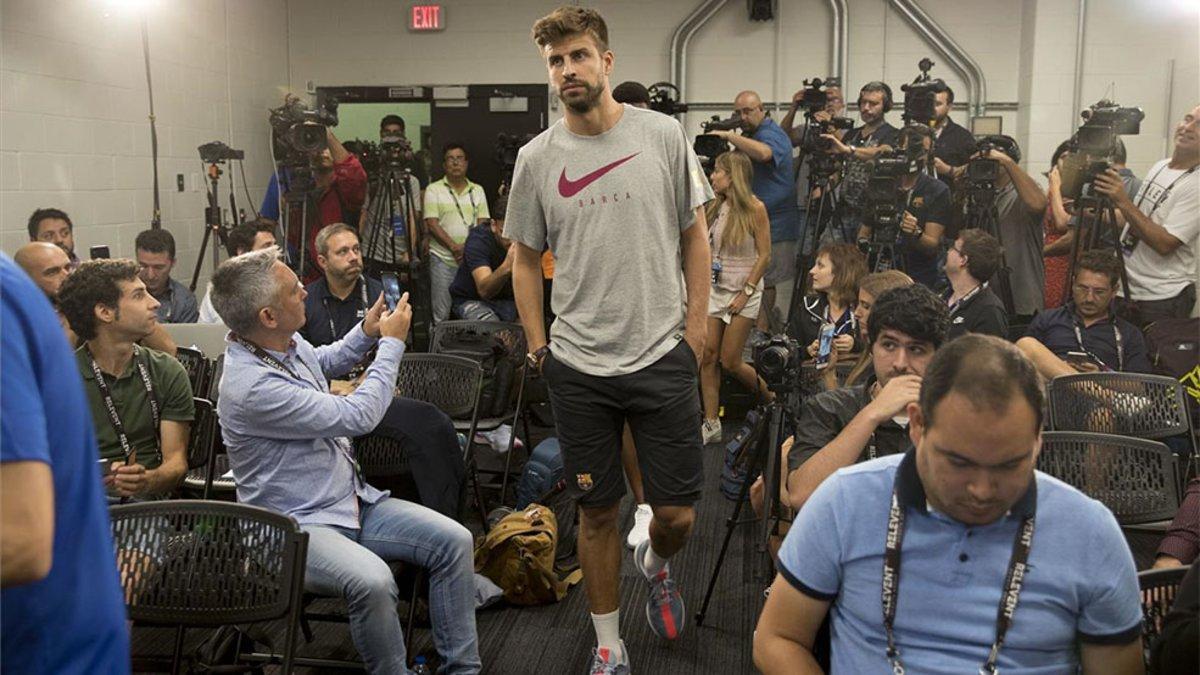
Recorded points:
(47, 264)
(770, 149)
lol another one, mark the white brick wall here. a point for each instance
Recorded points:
(73, 112)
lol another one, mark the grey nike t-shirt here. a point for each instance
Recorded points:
(612, 208)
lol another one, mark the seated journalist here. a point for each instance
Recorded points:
(957, 556)
(290, 449)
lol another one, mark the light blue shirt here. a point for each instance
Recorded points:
(288, 439)
(1080, 585)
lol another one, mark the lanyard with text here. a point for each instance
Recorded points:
(1130, 239)
(1116, 338)
(1008, 600)
(361, 313)
(963, 300)
(474, 208)
(264, 356)
(111, 406)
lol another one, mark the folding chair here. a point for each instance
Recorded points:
(1159, 588)
(198, 369)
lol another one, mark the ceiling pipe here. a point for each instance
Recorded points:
(935, 36)
(839, 44)
(683, 35)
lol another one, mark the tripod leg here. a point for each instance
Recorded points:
(755, 464)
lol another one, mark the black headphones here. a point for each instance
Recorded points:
(887, 93)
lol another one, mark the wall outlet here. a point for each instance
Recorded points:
(179, 182)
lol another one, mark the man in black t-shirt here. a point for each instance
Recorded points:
(974, 307)
(860, 145)
(841, 427)
(952, 144)
(927, 209)
(482, 287)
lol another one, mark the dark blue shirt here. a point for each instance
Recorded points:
(73, 621)
(480, 250)
(328, 318)
(1055, 328)
(774, 182)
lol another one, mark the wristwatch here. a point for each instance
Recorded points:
(750, 290)
(533, 360)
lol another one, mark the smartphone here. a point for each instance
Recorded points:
(99, 252)
(391, 290)
(824, 345)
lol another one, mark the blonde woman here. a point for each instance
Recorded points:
(739, 235)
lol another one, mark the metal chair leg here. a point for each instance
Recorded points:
(177, 655)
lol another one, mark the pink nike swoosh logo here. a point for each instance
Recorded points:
(569, 188)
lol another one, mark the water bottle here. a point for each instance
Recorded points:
(419, 667)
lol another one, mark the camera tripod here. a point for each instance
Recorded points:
(981, 214)
(818, 218)
(299, 190)
(213, 227)
(1097, 216)
(762, 447)
(389, 236)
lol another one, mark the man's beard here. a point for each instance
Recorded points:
(584, 105)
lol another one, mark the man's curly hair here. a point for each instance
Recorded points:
(96, 282)
(912, 310)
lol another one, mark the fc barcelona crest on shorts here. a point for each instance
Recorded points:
(584, 481)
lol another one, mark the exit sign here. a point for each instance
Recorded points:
(426, 18)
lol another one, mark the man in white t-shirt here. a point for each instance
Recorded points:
(452, 206)
(1159, 239)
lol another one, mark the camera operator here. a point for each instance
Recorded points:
(860, 145)
(392, 126)
(380, 249)
(1020, 204)
(1159, 239)
(974, 308)
(341, 189)
(835, 106)
(926, 210)
(844, 426)
(769, 147)
(952, 144)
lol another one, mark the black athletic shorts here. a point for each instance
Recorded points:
(662, 405)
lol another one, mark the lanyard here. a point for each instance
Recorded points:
(963, 300)
(1008, 600)
(263, 355)
(474, 209)
(1129, 239)
(844, 324)
(1116, 338)
(362, 287)
(111, 406)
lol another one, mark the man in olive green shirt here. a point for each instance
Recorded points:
(145, 431)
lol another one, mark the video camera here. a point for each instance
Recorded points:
(884, 197)
(505, 153)
(982, 171)
(298, 132)
(1094, 144)
(777, 362)
(216, 152)
(391, 153)
(921, 95)
(661, 99)
(708, 145)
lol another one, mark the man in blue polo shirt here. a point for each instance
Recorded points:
(1085, 335)
(482, 287)
(61, 609)
(1003, 567)
(770, 148)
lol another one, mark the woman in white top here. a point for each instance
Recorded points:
(740, 238)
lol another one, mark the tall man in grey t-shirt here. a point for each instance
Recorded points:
(617, 194)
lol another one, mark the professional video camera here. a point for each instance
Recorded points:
(1094, 144)
(920, 95)
(216, 151)
(708, 145)
(777, 361)
(884, 197)
(661, 99)
(298, 132)
(982, 171)
(506, 149)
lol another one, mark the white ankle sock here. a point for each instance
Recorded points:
(608, 632)
(652, 564)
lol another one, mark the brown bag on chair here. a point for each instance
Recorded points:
(518, 555)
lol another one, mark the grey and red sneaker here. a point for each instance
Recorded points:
(664, 606)
(605, 662)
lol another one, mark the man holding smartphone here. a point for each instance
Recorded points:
(1085, 335)
(340, 299)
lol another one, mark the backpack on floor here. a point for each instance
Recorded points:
(518, 553)
(1174, 346)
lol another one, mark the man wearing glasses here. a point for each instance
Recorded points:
(452, 206)
(1085, 335)
(770, 148)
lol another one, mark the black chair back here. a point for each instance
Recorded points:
(1159, 588)
(1127, 404)
(1134, 478)
(197, 368)
(449, 382)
